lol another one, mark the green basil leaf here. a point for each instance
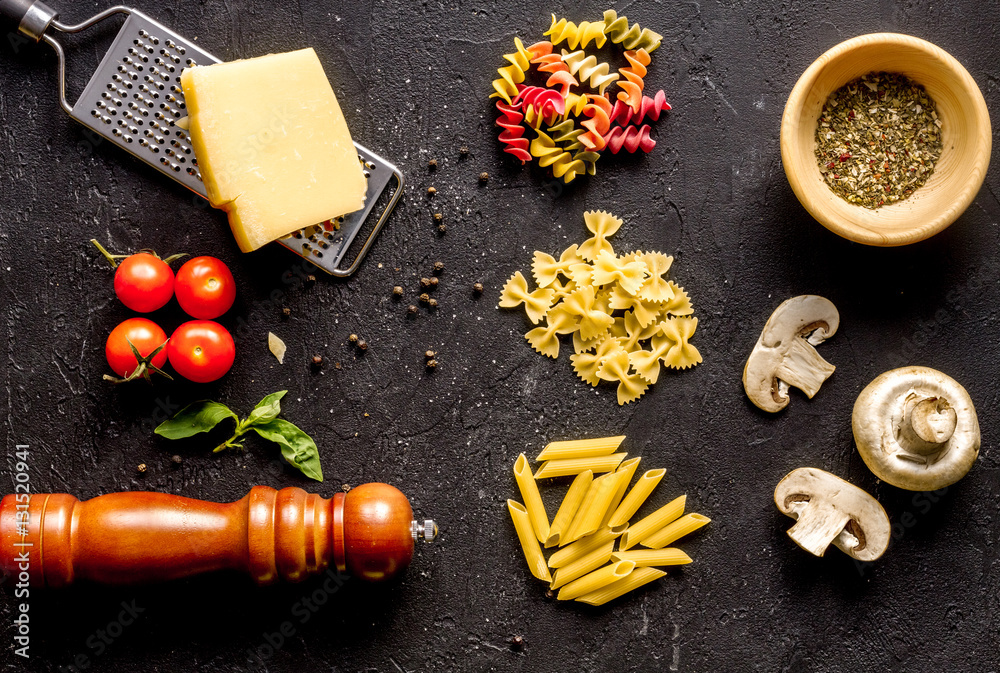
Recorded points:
(297, 447)
(267, 409)
(195, 418)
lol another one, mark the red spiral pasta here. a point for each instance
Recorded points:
(513, 132)
(629, 138)
(648, 107)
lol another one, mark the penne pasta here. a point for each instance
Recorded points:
(596, 580)
(629, 466)
(591, 515)
(633, 501)
(570, 466)
(643, 558)
(532, 499)
(581, 448)
(581, 548)
(583, 565)
(652, 523)
(588, 498)
(529, 543)
(634, 580)
(675, 531)
(569, 507)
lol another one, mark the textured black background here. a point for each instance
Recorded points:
(413, 79)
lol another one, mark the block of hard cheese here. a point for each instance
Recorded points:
(272, 144)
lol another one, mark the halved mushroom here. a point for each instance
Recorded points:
(830, 510)
(784, 355)
(916, 428)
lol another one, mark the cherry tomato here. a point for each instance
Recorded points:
(201, 350)
(144, 282)
(145, 335)
(205, 288)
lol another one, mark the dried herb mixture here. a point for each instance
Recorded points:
(878, 139)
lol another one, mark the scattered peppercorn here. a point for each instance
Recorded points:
(431, 191)
(432, 302)
(432, 164)
(353, 338)
(425, 282)
(430, 355)
(434, 281)
(517, 642)
(317, 361)
(549, 594)
(336, 365)
(484, 177)
(411, 309)
(310, 280)
(285, 312)
(432, 364)
(345, 487)
(397, 291)
(438, 267)
(463, 151)
(362, 345)
(424, 298)
(442, 228)
(141, 468)
(477, 288)
(438, 217)
(176, 459)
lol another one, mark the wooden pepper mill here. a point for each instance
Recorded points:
(130, 538)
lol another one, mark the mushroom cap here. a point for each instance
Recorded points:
(784, 355)
(879, 414)
(838, 512)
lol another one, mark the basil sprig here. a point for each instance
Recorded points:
(297, 447)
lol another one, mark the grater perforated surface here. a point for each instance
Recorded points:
(135, 99)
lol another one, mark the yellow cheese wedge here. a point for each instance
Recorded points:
(272, 144)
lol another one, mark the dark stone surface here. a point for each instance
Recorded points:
(413, 79)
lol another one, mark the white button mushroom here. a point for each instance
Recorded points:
(916, 429)
(831, 510)
(784, 355)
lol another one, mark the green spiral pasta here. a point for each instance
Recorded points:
(617, 29)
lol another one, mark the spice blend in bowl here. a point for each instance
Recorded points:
(878, 139)
(965, 135)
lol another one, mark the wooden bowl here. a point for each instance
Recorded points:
(965, 135)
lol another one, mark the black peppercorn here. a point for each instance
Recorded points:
(549, 594)
(345, 487)
(411, 309)
(438, 267)
(431, 191)
(477, 288)
(177, 459)
(463, 151)
(442, 228)
(434, 281)
(425, 282)
(317, 361)
(141, 468)
(438, 217)
(362, 345)
(353, 338)
(310, 280)
(397, 291)
(430, 355)
(432, 364)
(285, 312)
(432, 302)
(484, 177)
(517, 642)
(432, 164)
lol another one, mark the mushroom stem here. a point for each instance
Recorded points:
(804, 368)
(928, 423)
(817, 526)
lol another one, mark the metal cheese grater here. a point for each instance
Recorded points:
(134, 99)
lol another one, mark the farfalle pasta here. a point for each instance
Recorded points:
(627, 320)
(564, 106)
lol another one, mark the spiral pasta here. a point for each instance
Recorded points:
(588, 69)
(576, 35)
(574, 128)
(513, 131)
(617, 29)
(648, 108)
(634, 74)
(629, 138)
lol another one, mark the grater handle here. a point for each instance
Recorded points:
(31, 17)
